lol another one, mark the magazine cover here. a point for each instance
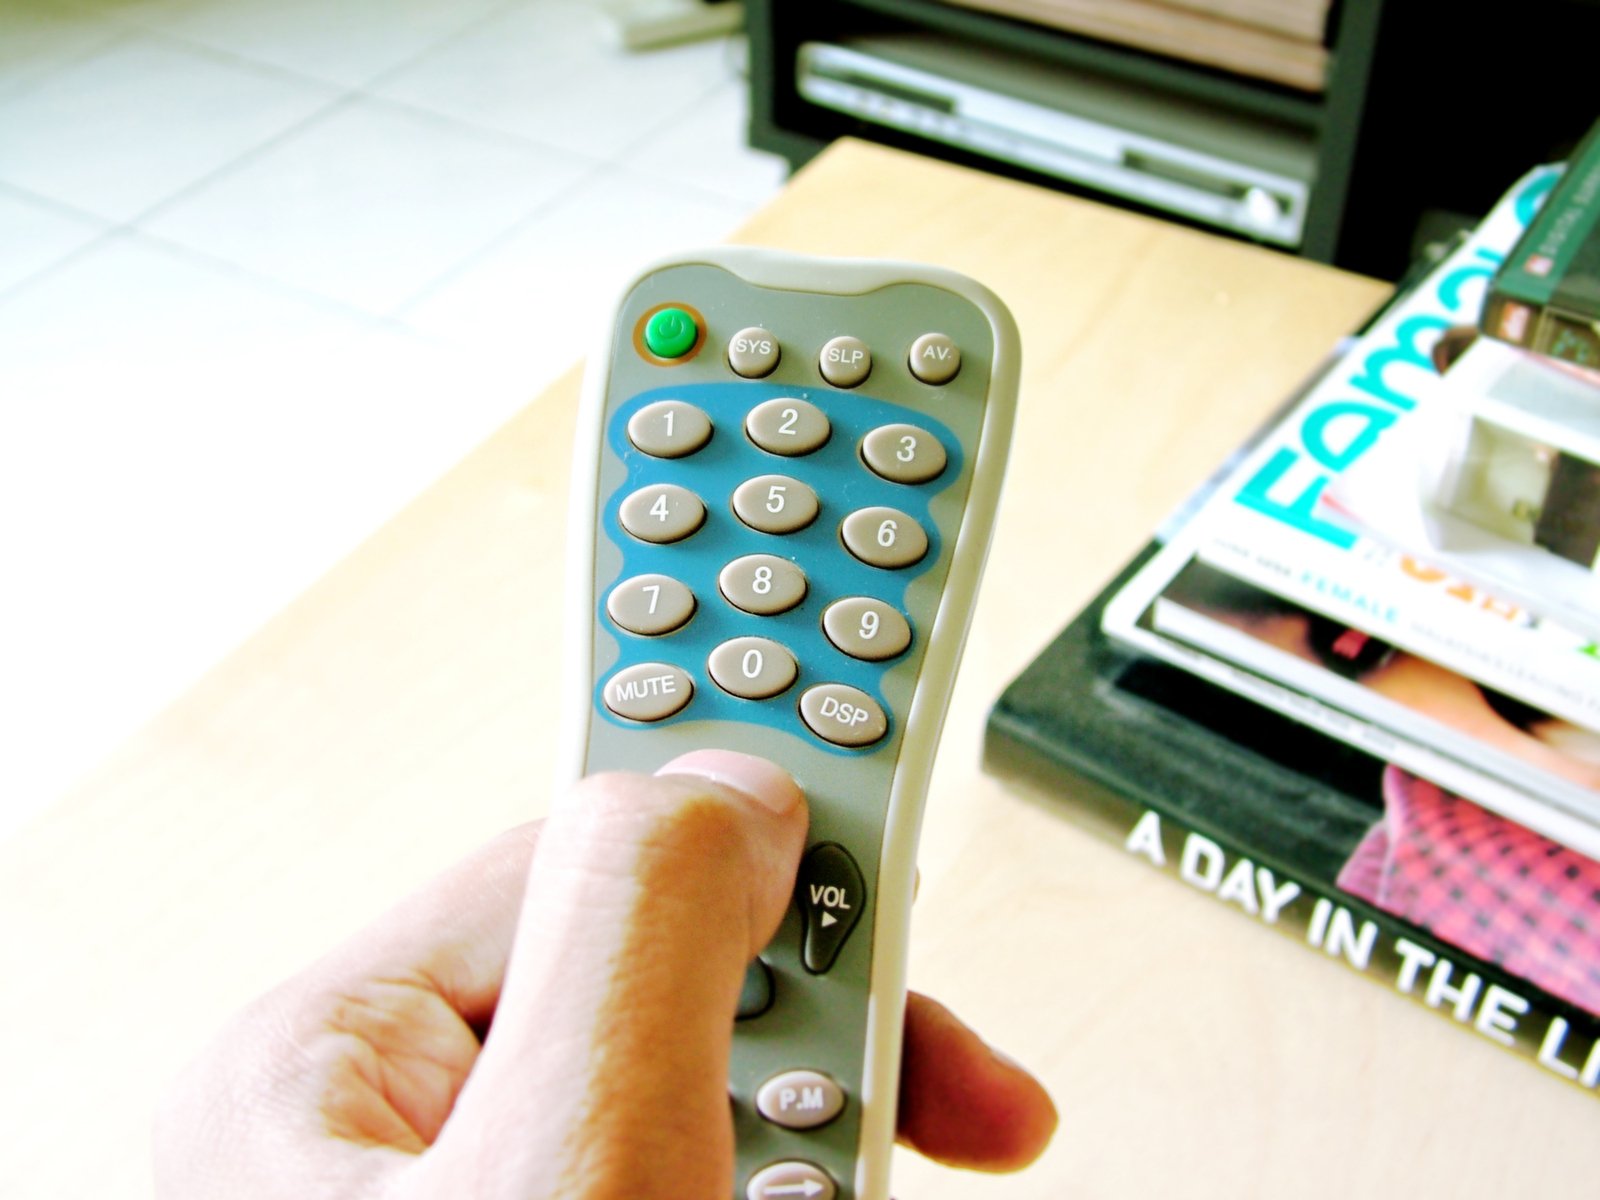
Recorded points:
(1266, 523)
(1485, 923)
(1476, 482)
(1520, 761)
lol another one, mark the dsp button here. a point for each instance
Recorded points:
(843, 715)
(800, 1099)
(649, 691)
(832, 895)
(793, 1180)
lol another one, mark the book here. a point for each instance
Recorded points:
(1546, 296)
(1310, 837)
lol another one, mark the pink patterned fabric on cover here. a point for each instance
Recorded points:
(1484, 884)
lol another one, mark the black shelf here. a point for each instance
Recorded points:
(1409, 134)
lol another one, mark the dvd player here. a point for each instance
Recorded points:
(1227, 169)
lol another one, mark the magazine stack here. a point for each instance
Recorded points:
(1367, 659)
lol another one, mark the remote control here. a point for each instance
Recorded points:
(787, 471)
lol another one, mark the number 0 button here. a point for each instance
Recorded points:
(884, 537)
(752, 667)
(662, 512)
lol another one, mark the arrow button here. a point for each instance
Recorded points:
(832, 895)
(791, 1181)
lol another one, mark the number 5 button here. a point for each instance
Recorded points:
(866, 628)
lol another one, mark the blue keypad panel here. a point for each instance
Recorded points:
(843, 484)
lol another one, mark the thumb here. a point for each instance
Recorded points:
(605, 1069)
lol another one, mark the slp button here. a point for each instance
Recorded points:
(832, 895)
(648, 691)
(671, 332)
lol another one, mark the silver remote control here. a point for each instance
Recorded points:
(786, 476)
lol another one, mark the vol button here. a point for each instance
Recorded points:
(832, 895)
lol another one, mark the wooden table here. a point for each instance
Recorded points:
(404, 710)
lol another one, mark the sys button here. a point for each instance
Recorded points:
(832, 895)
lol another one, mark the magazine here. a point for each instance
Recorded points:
(1517, 760)
(1470, 483)
(1487, 924)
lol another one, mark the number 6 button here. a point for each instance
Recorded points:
(884, 537)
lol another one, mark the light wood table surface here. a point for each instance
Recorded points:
(405, 709)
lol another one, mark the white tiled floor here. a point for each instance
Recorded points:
(268, 268)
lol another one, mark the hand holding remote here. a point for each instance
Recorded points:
(364, 1077)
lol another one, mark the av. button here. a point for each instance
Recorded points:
(649, 691)
(935, 359)
(832, 895)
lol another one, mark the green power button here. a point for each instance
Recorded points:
(670, 333)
